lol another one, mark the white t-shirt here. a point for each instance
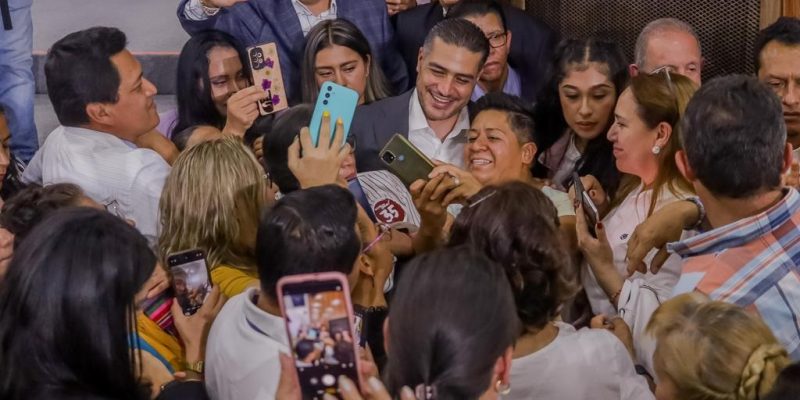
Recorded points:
(584, 364)
(242, 353)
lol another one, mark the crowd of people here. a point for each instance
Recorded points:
(593, 227)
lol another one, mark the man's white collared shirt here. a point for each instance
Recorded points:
(113, 172)
(451, 150)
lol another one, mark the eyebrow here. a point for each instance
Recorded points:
(598, 86)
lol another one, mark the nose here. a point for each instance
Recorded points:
(611, 135)
(479, 143)
(445, 85)
(791, 97)
(585, 110)
(339, 78)
(150, 89)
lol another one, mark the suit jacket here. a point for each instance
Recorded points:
(374, 124)
(262, 21)
(532, 43)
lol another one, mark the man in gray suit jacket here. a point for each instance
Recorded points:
(433, 115)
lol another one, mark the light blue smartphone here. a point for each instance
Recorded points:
(338, 100)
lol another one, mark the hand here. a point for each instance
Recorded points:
(373, 390)
(220, 3)
(428, 199)
(157, 283)
(596, 192)
(664, 226)
(6, 250)
(596, 250)
(618, 327)
(193, 329)
(792, 178)
(465, 183)
(243, 110)
(319, 165)
(396, 6)
(258, 149)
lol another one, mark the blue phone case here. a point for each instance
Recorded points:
(340, 101)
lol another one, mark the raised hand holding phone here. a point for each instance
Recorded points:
(339, 103)
(242, 110)
(318, 165)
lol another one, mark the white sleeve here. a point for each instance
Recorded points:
(194, 11)
(146, 193)
(33, 171)
(637, 302)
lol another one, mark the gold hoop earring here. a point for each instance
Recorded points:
(502, 388)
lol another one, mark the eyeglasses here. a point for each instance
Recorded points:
(497, 39)
(384, 234)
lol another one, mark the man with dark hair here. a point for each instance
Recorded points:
(497, 75)
(433, 115)
(307, 231)
(287, 22)
(529, 53)
(734, 153)
(777, 61)
(104, 104)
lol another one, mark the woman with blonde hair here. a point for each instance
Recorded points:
(711, 350)
(212, 200)
(645, 139)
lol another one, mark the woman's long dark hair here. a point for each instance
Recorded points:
(195, 105)
(598, 158)
(67, 309)
(452, 317)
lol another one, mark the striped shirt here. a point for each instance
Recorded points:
(752, 263)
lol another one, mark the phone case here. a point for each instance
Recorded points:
(188, 291)
(340, 101)
(589, 209)
(340, 279)
(405, 160)
(266, 72)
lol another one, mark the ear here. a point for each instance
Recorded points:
(98, 113)
(365, 265)
(508, 38)
(502, 368)
(419, 58)
(633, 69)
(683, 165)
(788, 157)
(528, 153)
(663, 134)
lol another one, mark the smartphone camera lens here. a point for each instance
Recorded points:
(388, 157)
(330, 88)
(325, 102)
(327, 95)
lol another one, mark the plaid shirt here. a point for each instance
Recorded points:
(752, 263)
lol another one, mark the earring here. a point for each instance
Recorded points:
(656, 149)
(502, 388)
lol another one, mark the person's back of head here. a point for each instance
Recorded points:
(276, 145)
(79, 71)
(712, 350)
(516, 226)
(307, 231)
(788, 385)
(67, 308)
(734, 137)
(212, 200)
(451, 324)
(27, 208)
(193, 85)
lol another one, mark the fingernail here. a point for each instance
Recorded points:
(345, 384)
(374, 383)
(339, 121)
(599, 225)
(407, 392)
(326, 114)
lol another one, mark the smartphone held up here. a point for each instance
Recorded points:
(319, 322)
(191, 280)
(589, 209)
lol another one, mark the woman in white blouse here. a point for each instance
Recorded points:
(645, 140)
(516, 226)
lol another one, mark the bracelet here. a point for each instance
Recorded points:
(700, 209)
(209, 10)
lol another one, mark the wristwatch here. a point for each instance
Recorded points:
(197, 367)
(209, 9)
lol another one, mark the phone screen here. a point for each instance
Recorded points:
(320, 333)
(190, 279)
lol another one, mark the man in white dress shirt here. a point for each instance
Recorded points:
(434, 115)
(103, 104)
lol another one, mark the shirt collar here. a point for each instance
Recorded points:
(262, 321)
(742, 231)
(417, 120)
(300, 7)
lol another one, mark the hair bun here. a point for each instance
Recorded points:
(760, 367)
